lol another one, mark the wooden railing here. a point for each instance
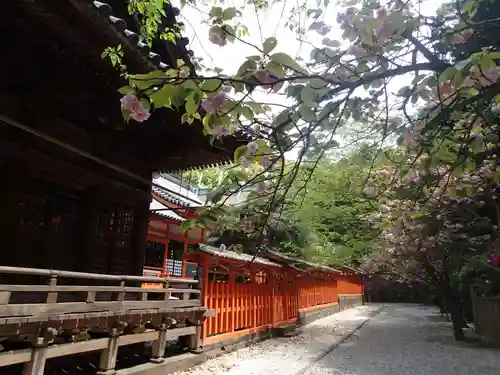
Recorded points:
(62, 317)
(58, 297)
(269, 299)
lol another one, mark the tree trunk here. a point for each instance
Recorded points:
(454, 307)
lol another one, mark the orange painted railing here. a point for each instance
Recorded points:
(268, 298)
(317, 292)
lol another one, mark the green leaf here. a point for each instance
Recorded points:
(331, 43)
(248, 65)
(275, 69)
(493, 55)
(238, 86)
(486, 64)
(306, 113)
(239, 152)
(269, 44)
(404, 91)
(448, 74)
(216, 12)
(282, 119)
(206, 121)
(230, 33)
(193, 102)
(163, 97)
(308, 96)
(256, 107)
(247, 112)
(256, 58)
(211, 85)
(186, 225)
(229, 13)
(285, 60)
(125, 90)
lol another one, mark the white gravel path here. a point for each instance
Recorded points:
(286, 356)
(407, 340)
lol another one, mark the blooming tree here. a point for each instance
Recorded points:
(351, 81)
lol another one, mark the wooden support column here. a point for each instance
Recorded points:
(107, 362)
(232, 293)
(160, 345)
(194, 341)
(88, 229)
(36, 366)
(203, 286)
(139, 236)
(272, 281)
(254, 297)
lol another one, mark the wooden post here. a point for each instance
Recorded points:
(160, 345)
(232, 293)
(139, 235)
(272, 280)
(194, 344)
(253, 288)
(36, 365)
(121, 294)
(52, 296)
(204, 295)
(164, 271)
(107, 362)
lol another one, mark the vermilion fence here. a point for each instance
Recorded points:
(249, 298)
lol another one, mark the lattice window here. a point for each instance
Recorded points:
(124, 223)
(155, 253)
(174, 267)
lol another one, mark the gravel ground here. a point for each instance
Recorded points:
(286, 356)
(407, 340)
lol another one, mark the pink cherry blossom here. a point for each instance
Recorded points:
(220, 131)
(496, 108)
(323, 29)
(217, 36)
(214, 103)
(245, 162)
(253, 147)
(495, 259)
(341, 18)
(263, 76)
(384, 31)
(468, 82)
(411, 137)
(446, 89)
(226, 88)
(462, 37)
(266, 161)
(370, 190)
(381, 12)
(261, 188)
(133, 105)
(491, 76)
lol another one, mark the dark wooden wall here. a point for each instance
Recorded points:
(60, 209)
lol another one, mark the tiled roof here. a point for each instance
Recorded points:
(121, 27)
(159, 209)
(292, 260)
(217, 252)
(175, 193)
